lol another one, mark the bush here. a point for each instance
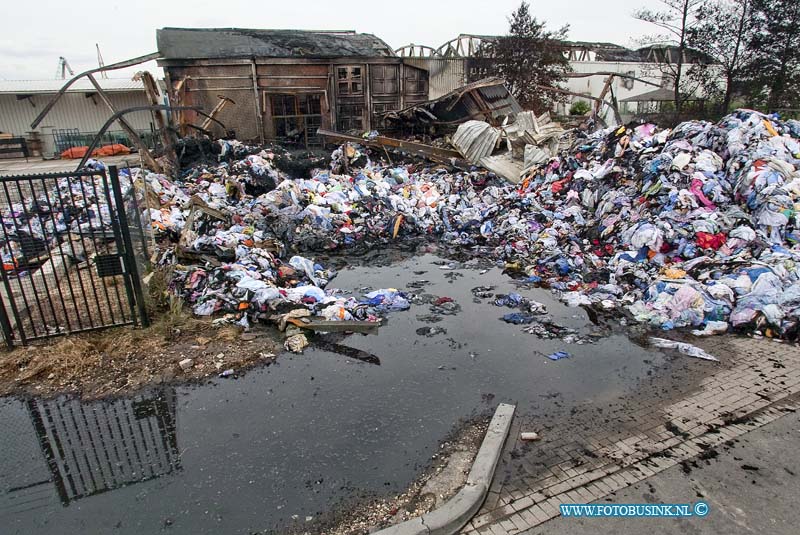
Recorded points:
(579, 107)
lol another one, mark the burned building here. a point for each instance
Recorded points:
(605, 70)
(285, 84)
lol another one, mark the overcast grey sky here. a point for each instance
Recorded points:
(34, 35)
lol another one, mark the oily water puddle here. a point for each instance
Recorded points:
(287, 444)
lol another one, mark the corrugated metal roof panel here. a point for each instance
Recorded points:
(28, 87)
(503, 165)
(500, 101)
(475, 140)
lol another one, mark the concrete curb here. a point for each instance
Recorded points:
(453, 515)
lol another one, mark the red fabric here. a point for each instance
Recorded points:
(697, 189)
(710, 241)
(111, 150)
(558, 186)
(74, 153)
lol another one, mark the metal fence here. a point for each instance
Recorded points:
(68, 255)
(69, 138)
(25, 481)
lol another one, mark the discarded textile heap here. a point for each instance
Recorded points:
(690, 227)
(695, 226)
(55, 213)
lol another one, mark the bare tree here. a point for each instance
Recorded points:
(776, 46)
(723, 31)
(676, 20)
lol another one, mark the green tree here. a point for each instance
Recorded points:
(776, 50)
(531, 59)
(580, 107)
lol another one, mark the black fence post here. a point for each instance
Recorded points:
(130, 262)
(5, 324)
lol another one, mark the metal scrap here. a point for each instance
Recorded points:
(436, 154)
(476, 140)
(487, 99)
(318, 325)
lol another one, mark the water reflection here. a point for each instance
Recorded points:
(84, 449)
(297, 440)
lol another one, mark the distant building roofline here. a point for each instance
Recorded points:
(83, 85)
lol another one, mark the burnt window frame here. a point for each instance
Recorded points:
(380, 108)
(352, 83)
(382, 80)
(310, 121)
(416, 81)
(347, 121)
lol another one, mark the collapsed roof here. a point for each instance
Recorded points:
(487, 99)
(652, 54)
(200, 43)
(468, 46)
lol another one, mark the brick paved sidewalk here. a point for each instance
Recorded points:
(755, 386)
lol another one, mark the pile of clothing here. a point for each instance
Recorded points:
(694, 226)
(688, 227)
(46, 212)
(257, 284)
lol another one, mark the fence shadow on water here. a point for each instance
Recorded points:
(61, 450)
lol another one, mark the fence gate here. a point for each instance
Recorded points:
(66, 138)
(67, 253)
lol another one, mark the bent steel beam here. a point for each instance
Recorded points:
(617, 116)
(127, 128)
(114, 66)
(120, 113)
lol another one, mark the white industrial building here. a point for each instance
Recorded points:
(77, 116)
(623, 88)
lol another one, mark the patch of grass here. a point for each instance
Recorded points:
(168, 314)
(112, 360)
(174, 320)
(157, 296)
(71, 358)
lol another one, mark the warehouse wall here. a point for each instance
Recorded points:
(73, 110)
(444, 74)
(593, 85)
(383, 84)
(206, 82)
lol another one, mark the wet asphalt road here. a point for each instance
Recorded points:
(287, 444)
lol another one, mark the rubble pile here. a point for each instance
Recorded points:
(236, 263)
(694, 226)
